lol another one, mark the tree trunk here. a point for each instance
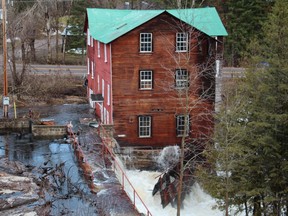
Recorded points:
(13, 62)
(48, 31)
(246, 207)
(182, 153)
(178, 4)
(256, 207)
(226, 204)
(57, 42)
(64, 46)
(23, 56)
(57, 35)
(180, 186)
(24, 59)
(33, 51)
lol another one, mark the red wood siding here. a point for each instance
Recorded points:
(102, 71)
(161, 104)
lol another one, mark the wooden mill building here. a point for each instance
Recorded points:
(150, 72)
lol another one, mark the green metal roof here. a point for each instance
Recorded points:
(107, 25)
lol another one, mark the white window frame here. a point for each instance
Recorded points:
(144, 126)
(146, 79)
(88, 65)
(146, 42)
(108, 117)
(181, 78)
(108, 94)
(105, 53)
(92, 104)
(180, 125)
(92, 72)
(91, 38)
(181, 42)
(98, 49)
(88, 37)
(103, 88)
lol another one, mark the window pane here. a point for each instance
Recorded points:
(181, 42)
(145, 79)
(181, 78)
(144, 126)
(145, 42)
(180, 125)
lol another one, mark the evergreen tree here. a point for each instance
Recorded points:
(243, 21)
(76, 22)
(222, 177)
(258, 173)
(269, 109)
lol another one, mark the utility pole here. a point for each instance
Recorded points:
(5, 86)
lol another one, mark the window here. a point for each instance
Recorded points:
(98, 49)
(146, 79)
(108, 94)
(105, 53)
(92, 72)
(103, 88)
(181, 42)
(88, 37)
(92, 40)
(181, 78)
(88, 66)
(108, 118)
(144, 126)
(180, 125)
(145, 42)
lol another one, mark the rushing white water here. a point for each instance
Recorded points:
(168, 157)
(197, 203)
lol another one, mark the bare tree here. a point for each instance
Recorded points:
(192, 87)
(19, 29)
(52, 11)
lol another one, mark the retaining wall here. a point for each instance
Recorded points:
(49, 130)
(14, 123)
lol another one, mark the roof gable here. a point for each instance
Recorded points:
(107, 25)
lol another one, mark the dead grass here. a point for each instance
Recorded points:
(50, 89)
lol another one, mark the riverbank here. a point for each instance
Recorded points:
(61, 186)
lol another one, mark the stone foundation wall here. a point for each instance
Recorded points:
(137, 158)
(49, 130)
(14, 123)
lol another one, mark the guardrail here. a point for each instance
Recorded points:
(122, 177)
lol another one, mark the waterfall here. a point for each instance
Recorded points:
(196, 203)
(168, 157)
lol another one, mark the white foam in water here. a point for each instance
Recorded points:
(168, 157)
(197, 203)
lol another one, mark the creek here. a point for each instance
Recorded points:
(54, 165)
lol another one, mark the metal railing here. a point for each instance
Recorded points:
(122, 177)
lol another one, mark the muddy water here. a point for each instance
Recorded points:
(69, 193)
